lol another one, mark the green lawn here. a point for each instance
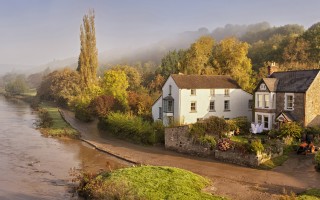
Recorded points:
(148, 182)
(59, 127)
(311, 194)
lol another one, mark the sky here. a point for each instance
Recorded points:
(35, 32)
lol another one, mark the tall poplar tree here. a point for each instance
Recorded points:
(88, 58)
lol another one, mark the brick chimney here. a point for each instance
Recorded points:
(272, 68)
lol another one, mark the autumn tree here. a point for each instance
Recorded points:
(230, 58)
(312, 35)
(88, 58)
(198, 55)
(295, 55)
(17, 85)
(133, 76)
(171, 63)
(65, 86)
(115, 83)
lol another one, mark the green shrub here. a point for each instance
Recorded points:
(129, 127)
(216, 126)
(198, 130)
(317, 160)
(290, 130)
(208, 140)
(82, 113)
(255, 146)
(46, 120)
(242, 124)
(159, 131)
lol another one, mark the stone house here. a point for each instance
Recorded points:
(186, 99)
(288, 96)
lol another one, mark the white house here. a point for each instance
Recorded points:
(186, 99)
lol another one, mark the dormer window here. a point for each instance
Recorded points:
(193, 91)
(263, 86)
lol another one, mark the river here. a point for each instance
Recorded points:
(36, 167)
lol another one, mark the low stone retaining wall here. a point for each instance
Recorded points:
(178, 139)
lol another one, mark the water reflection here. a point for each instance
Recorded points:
(36, 167)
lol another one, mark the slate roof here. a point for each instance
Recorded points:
(287, 115)
(204, 81)
(271, 83)
(292, 81)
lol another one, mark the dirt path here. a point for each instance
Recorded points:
(233, 181)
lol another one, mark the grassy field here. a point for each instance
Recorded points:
(146, 182)
(59, 127)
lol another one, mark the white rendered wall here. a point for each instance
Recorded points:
(175, 95)
(238, 104)
(155, 109)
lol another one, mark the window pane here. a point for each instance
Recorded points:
(260, 102)
(266, 101)
(226, 105)
(259, 119)
(193, 106)
(193, 91)
(266, 122)
(170, 106)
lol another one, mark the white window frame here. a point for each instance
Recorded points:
(270, 116)
(286, 95)
(227, 92)
(212, 109)
(212, 92)
(195, 106)
(193, 92)
(228, 107)
(263, 100)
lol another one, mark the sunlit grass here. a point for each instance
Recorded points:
(149, 182)
(59, 126)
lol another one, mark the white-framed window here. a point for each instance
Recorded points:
(193, 92)
(212, 92)
(259, 119)
(227, 105)
(226, 92)
(212, 106)
(263, 86)
(265, 119)
(289, 101)
(193, 106)
(168, 106)
(263, 101)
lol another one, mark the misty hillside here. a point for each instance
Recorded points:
(155, 52)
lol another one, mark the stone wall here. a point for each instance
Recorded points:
(238, 158)
(178, 139)
(313, 104)
(298, 105)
